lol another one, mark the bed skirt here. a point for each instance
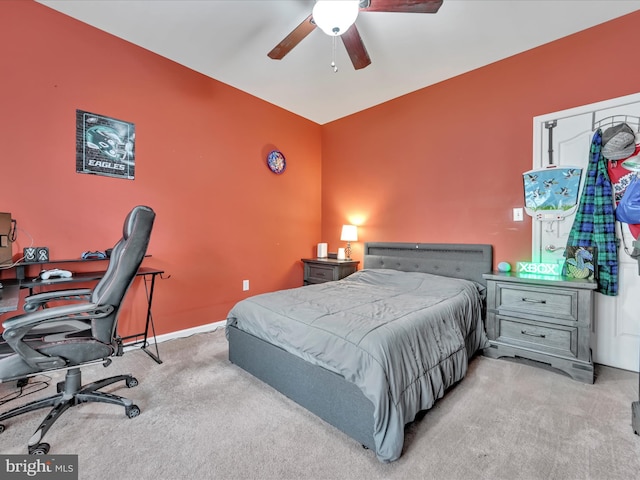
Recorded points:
(322, 392)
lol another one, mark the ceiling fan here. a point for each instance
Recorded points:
(349, 33)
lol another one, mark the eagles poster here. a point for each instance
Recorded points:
(104, 146)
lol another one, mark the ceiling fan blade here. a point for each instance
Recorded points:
(406, 6)
(355, 48)
(293, 39)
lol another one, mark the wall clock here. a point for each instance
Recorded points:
(276, 162)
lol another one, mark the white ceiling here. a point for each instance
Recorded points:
(229, 40)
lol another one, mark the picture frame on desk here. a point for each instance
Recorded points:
(581, 262)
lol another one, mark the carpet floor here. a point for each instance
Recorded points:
(204, 418)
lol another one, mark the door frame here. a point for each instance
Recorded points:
(606, 308)
(538, 154)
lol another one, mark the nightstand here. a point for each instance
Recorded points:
(544, 319)
(320, 270)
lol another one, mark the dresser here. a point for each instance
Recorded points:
(545, 319)
(320, 270)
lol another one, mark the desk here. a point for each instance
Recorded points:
(149, 277)
(10, 295)
(21, 267)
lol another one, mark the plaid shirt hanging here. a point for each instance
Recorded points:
(594, 224)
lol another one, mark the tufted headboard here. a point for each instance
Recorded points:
(459, 260)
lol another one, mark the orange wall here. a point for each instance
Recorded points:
(201, 146)
(444, 164)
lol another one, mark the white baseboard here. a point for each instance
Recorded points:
(210, 327)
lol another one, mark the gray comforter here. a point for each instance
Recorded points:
(402, 338)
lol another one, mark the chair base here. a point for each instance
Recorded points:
(70, 394)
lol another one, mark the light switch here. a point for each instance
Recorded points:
(518, 215)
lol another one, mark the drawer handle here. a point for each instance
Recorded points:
(524, 332)
(533, 300)
(320, 274)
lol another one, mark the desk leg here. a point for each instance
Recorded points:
(635, 417)
(149, 292)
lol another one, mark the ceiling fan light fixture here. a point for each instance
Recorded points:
(334, 17)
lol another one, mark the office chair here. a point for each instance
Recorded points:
(77, 333)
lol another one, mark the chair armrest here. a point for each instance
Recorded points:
(16, 328)
(33, 302)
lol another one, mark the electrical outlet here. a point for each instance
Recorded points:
(245, 285)
(518, 215)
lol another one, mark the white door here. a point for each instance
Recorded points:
(617, 319)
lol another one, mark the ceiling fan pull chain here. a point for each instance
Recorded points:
(333, 58)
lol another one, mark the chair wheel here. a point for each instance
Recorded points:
(131, 382)
(39, 449)
(132, 411)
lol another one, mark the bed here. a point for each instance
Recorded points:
(369, 352)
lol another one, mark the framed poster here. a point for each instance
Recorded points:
(104, 146)
(581, 262)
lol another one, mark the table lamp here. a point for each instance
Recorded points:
(349, 234)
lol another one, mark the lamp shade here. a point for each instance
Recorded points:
(335, 17)
(349, 233)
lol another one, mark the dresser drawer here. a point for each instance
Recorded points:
(320, 270)
(539, 336)
(320, 273)
(538, 301)
(542, 319)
